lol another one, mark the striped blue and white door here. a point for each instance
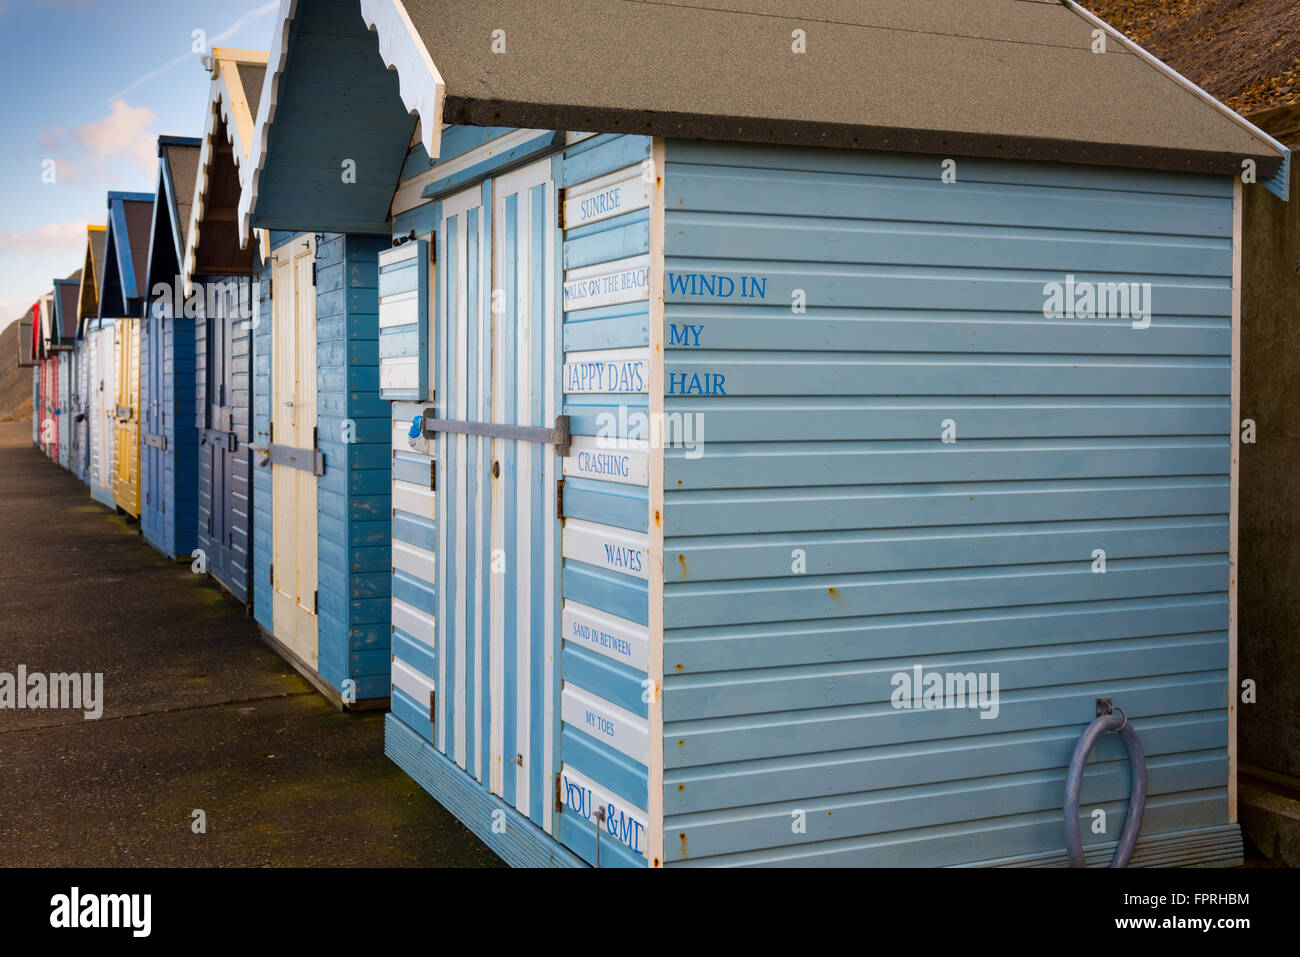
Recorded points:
(497, 536)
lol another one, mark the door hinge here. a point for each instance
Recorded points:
(559, 499)
(315, 437)
(270, 438)
(431, 709)
(559, 209)
(270, 574)
(556, 807)
(315, 602)
(163, 505)
(146, 498)
(433, 476)
(313, 274)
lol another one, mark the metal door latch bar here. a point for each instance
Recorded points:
(222, 440)
(309, 460)
(558, 436)
(156, 440)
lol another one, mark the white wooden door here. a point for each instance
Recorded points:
(293, 424)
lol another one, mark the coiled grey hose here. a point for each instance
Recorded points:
(1137, 798)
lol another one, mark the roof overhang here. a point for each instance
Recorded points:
(984, 78)
(66, 293)
(163, 263)
(223, 161)
(92, 266)
(125, 252)
(331, 132)
(44, 311)
(1277, 179)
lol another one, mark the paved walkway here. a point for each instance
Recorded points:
(198, 713)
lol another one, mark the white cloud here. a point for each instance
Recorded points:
(88, 152)
(123, 132)
(52, 237)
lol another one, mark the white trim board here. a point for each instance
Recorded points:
(419, 83)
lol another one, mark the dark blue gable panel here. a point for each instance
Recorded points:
(339, 133)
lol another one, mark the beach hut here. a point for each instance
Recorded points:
(121, 302)
(219, 275)
(321, 521)
(29, 331)
(49, 361)
(87, 388)
(801, 430)
(169, 438)
(64, 343)
(33, 326)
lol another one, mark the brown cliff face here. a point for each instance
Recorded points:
(15, 381)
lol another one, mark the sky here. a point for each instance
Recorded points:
(90, 85)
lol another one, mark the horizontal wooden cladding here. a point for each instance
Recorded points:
(853, 816)
(838, 199)
(887, 766)
(735, 557)
(1168, 818)
(717, 648)
(815, 732)
(839, 596)
(792, 161)
(852, 374)
(816, 685)
(753, 465)
(925, 287)
(787, 418)
(925, 244)
(956, 332)
(816, 508)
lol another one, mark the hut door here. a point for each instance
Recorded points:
(293, 428)
(126, 478)
(151, 463)
(497, 531)
(217, 419)
(107, 398)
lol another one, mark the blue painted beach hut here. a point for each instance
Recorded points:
(169, 439)
(87, 311)
(322, 521)
(218, 274)
(789, 452)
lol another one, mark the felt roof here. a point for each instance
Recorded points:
(66, 300)
(126, 253)
(212, 240)
(1008, 78)
(92, 268)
